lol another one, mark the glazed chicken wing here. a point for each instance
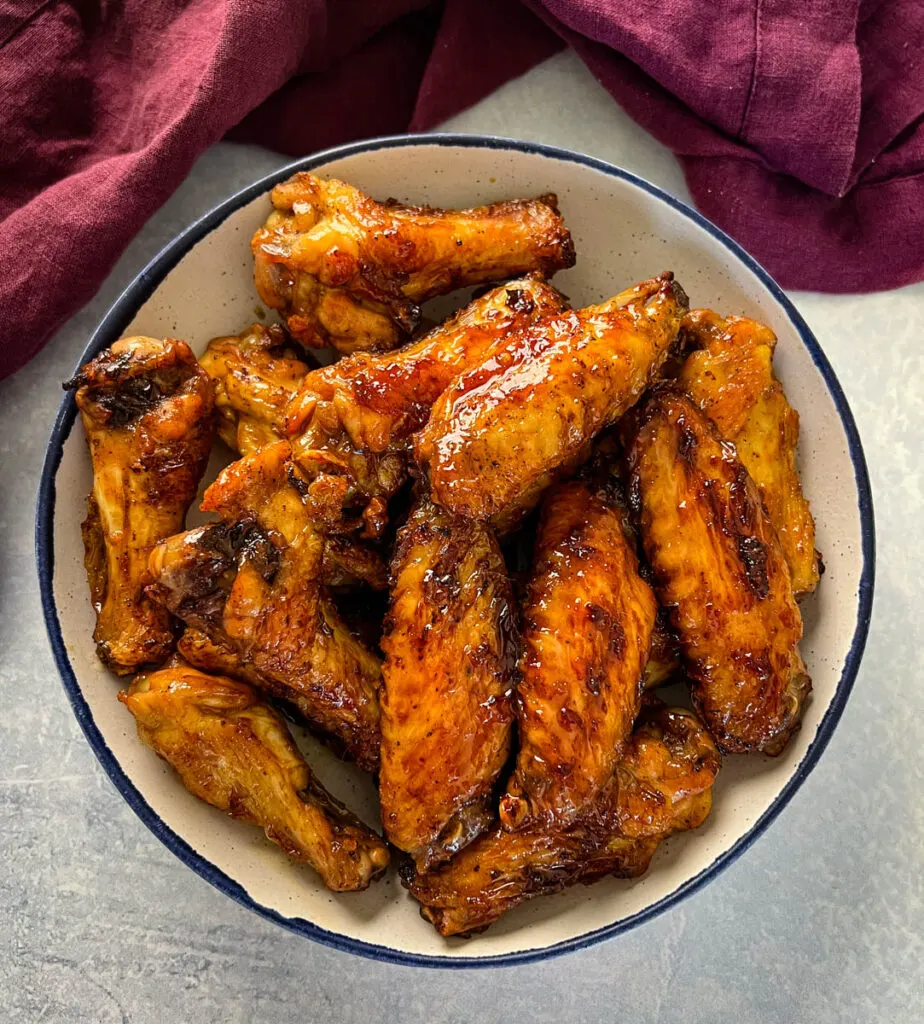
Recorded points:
(147, 409)
(587, 626)
(719, 567)
(502, 432)
(662, 785)
(254, 584)
(351, 422)
(450, 662)
(731, 378)
(234, 752)
(256, 373)
(347, 271)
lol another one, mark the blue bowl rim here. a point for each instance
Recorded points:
(120, 315)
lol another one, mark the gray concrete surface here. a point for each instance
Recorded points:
(822, 921)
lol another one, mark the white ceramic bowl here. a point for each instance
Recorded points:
(625, 230)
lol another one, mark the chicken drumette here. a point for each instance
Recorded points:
(350, 272)
(233, 751)
(147, 409)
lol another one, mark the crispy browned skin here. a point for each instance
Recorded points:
(234, 752)
(731, 378)
(255, 372)
(218, 657)
(450, 666)
(147, 409)
(348, 562)
(502, 432)
(254, 583)
(350, 272)
(664, 659)
(608, 467)
(719, 567)
(351, 422)
(662, 785)
(587, 623)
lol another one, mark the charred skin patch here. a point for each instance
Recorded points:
(130, 401)
(252, 544)
(753, 555)
(608, 626)
(121, 388)
(687, 443)
(196, 589)
(520, 301)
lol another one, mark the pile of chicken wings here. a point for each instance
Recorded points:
(464, 556)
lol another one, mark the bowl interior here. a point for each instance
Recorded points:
(623, 233)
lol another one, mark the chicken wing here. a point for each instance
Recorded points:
(720, 569)
(587, 626)
(147, 409)
(351, 422)
(234, 752)
(379, 401)
(253, 583)
(350, 272)
(502, 432)
(662, 785)
(450, 666)
(731, 378)
(256, 373)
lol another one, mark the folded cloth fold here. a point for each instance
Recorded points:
(799, 126)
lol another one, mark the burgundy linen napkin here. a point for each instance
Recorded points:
(799, 125)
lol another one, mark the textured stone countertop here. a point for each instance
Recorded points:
(821, 921)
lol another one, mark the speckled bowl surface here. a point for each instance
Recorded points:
(625, 230)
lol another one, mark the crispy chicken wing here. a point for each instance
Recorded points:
(351, 422)
(662, 785)
(254, 583)
(350, 272)
(719, 567)
(587, 626)
(502, 432)
(731, 378)
(147, 409)
(450, 666)
(256, 373)
(234, 752)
